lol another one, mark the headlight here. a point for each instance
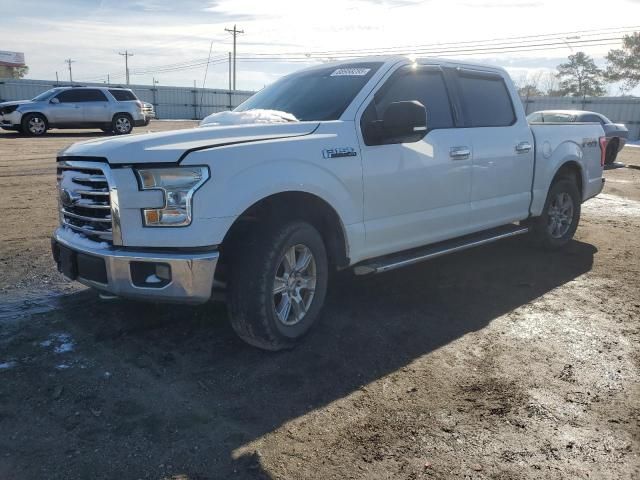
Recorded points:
(178, 185)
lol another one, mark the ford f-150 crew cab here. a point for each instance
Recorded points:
(372, 164)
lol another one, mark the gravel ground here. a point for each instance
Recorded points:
(503, 362)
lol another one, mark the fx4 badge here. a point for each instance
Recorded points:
(339, 152)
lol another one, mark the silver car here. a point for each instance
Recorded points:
(115, 110)
(617, 133)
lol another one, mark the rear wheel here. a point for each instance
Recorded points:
(34, 124)
(122, 124)
(559, 220)
(277, 284)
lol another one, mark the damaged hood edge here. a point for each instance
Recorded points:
(173, 146)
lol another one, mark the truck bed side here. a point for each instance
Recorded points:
(557, 145)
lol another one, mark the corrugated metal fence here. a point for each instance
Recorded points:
(169, 102)
(196, 103)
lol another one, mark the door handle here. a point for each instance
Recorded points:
(523, 147)
(459, 153)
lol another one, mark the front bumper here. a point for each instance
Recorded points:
(125, 273)
(11, 120)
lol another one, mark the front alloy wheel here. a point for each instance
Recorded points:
(34, 125)
(294, 284)
(277, 283)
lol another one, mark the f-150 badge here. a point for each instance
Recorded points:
(339, 152)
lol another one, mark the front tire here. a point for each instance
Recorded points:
(559, 220)
(277, 284)
(122, 124)
(34, 125)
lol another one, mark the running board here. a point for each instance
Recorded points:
(416, 255)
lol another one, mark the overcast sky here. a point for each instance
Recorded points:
(167, 32)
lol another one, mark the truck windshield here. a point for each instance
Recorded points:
(318, 94)
(44, 95)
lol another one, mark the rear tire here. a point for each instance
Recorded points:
(559, 220)
(122, 124)
(277, 284)
(34, 125)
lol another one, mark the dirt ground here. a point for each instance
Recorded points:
(503, 362)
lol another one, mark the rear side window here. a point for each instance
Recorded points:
(486, 100)
(123, 95)
(426, 85)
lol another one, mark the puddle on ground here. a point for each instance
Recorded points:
(14, 306)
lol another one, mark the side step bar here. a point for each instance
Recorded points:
(416, 255)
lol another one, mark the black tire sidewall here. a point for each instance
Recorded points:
(561, 185)
(115, 119)
(251, 304)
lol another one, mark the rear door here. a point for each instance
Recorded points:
(502, 143)
(95, 106)
(415, 193)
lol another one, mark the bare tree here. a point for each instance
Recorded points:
(549, 84)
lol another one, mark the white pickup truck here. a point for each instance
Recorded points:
(372, 164)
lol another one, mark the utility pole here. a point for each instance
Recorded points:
(108, 79)
(57, 81)
(235, 33)
(229, 71)
(126, 56)
(68, 61)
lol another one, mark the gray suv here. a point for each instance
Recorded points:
(115, 110)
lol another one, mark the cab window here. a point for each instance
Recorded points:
(424, 84)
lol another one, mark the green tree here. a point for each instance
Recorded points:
(623, 65)
(581, 77)
(20, 72)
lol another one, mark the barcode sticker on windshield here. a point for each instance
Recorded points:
(350, 72)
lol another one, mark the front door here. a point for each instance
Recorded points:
(68, 110)
(415, 193)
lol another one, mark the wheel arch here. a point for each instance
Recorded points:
(121, 113)
(37, 112)
(292, 205)
(570, 168)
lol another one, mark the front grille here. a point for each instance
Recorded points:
(85, 204)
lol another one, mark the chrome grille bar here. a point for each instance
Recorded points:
(85, 200)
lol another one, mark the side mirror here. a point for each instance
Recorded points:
(404, 121)
(55, 101)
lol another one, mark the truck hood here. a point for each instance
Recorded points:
(172, 146)
(10, 104)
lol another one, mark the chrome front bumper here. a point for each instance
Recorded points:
(122, 272)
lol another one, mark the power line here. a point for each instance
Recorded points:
(526, 43)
